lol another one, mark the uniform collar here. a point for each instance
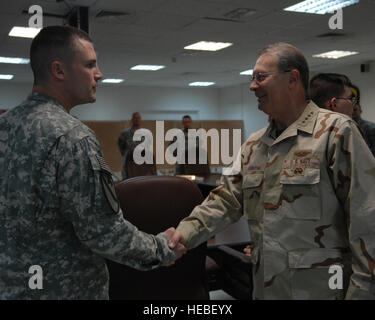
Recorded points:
(36, 96)
(305, 122)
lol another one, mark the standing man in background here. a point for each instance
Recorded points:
(187, 123)
(332, 91)
(58, 205)
(126, 143)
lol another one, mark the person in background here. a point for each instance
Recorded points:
(187, 124)
(59, 211)
(367, 127)
(332, 91)
(304, 183)
(126, 143)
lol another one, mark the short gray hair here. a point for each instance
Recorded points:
(290, 58)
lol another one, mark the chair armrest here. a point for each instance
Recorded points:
(234, 258)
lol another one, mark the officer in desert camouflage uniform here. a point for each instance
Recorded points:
(305, 185)
(58, 207)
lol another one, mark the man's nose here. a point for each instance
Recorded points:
(253, 85)
(98, 75)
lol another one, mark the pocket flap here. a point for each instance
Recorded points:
(314, 258)
(252, 180)
(309, 176)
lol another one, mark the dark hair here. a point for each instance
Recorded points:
(51, 44)
(289, 57)
(186, 116)
(325, 86)
(358, 93)
(134, 113)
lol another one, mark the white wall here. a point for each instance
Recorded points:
(230, 103)
(119, 102)
(236, 103)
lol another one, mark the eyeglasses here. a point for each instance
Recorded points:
(261, 76)
(353, 100)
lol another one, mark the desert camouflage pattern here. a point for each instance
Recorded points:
(309, 200)
(58, 210)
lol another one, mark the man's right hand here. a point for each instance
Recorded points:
(175, 239)
(176, 242)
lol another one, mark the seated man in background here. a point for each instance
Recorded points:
(332, 91)
(304, 183)
(59, 213)
(126, 143)
(367, 127)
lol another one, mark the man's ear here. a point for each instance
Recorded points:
(58, 70)
(294, 77)
(331, 104)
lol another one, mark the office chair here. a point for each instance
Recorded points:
(153, 204)
(136, 170)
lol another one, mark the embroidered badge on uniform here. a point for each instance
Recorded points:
(108, 185)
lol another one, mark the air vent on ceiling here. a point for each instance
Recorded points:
(331, 35)
(240, 13)
(111, 14)
(222, 19)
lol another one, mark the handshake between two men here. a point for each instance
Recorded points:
(177, 243)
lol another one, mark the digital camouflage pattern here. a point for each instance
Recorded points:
(58, 210)
(309, 200)
(127, 145)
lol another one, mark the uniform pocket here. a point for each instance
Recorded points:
(251, 188)
(301, 193)
(310, 277)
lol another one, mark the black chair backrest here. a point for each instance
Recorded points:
(153, 204)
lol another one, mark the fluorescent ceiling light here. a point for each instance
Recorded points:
(24, 32)
(201, 84)
(6, 76)
(146, 67)
(335, 54)
(14, 60)
(208, 46)
(320, 6)
(113, 80)
(247, 72)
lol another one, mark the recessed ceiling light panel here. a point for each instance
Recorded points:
(335, 54)
(6, 76)
(113, 80)
(208, 46)
(320, 6)
(14, 60)
(201, 84)
(146, 67)
(247, 72)
(23, 32)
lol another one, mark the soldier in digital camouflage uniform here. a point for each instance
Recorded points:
(305, 185)
(126, 143)
(58, 207)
